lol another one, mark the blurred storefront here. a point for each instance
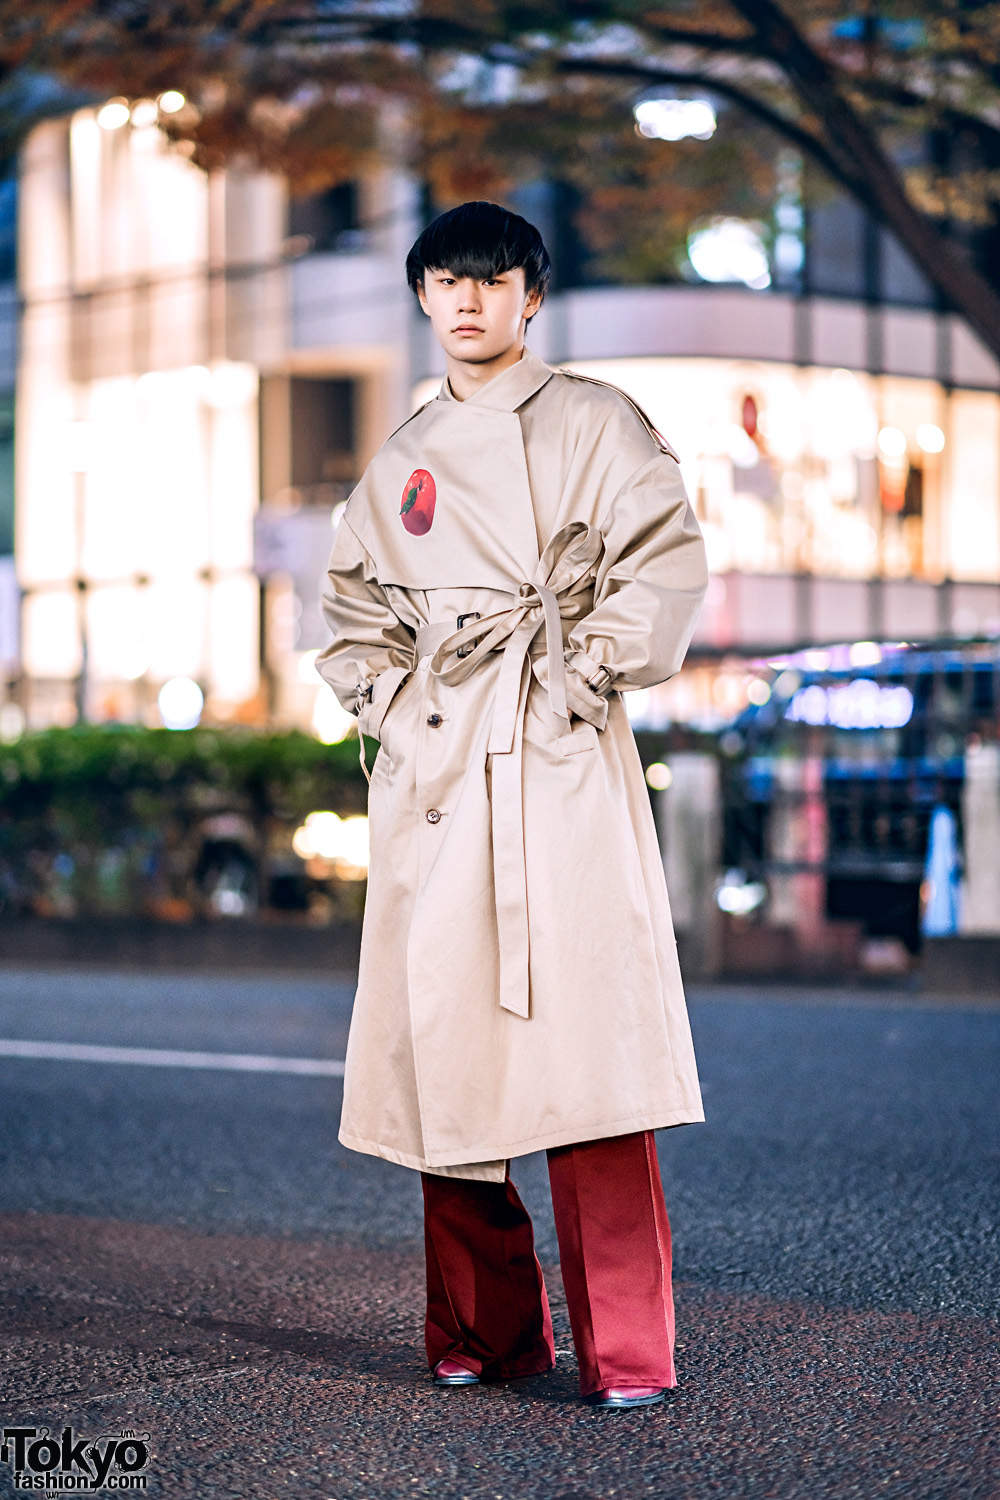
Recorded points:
(203, 371)
(859, 808)
(825, 768)
(829, 773)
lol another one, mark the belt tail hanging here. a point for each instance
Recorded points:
(509, 873)
(509, 697)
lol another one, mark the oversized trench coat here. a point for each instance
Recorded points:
(518, 984)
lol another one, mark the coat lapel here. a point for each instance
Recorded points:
(508, 390)
(468, 519)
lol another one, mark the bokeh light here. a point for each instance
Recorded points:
(659, 776)
(730, 250)
(930, 437)
(180, 702)
(114, 114)
(892, 442)
(341, 843)
(675, 119)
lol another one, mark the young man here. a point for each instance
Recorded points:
(519, 553)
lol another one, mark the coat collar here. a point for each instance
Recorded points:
(508, 390)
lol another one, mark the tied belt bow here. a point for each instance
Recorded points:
(555, 591)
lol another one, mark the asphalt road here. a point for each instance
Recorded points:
(190, 1253)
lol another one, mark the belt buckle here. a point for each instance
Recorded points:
(472, 615)
(592, 682)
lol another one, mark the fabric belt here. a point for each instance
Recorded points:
(562, 577)
(430, 637)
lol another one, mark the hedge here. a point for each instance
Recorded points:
(104, 818)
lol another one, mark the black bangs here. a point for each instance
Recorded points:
(480, 240)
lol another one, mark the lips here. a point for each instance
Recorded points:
(417, 508)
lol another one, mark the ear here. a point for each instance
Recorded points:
(532, 304)
(422, 298)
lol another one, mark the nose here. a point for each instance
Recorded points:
(468, 297)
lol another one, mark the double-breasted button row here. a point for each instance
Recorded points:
(433, 816)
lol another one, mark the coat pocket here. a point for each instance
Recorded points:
(384, 690)
(579, 736)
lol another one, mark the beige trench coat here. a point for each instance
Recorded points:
(518, 985)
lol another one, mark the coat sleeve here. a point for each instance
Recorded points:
(371, 646)
(650, 583)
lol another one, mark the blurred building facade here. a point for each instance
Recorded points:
(9, 600)
(205, 367)
(203, 362)
(189, 386)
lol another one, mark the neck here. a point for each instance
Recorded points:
(465, 379)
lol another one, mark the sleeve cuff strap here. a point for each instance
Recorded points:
(597, 677)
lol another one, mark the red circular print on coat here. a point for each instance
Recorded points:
(417, 509)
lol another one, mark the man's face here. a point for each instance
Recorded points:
(476, 321)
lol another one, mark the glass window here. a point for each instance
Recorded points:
(831, 472)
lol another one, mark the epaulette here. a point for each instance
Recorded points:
(654, 432)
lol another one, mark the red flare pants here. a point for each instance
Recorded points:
(486, 1302)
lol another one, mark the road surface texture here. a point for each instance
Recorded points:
(187, 1252)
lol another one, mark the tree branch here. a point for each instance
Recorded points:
(896, 94)
(796, 134)
(874, 179)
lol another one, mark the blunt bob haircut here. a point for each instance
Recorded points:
(480, 240)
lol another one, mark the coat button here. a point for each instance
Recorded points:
(435, 720)
(433, 816)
